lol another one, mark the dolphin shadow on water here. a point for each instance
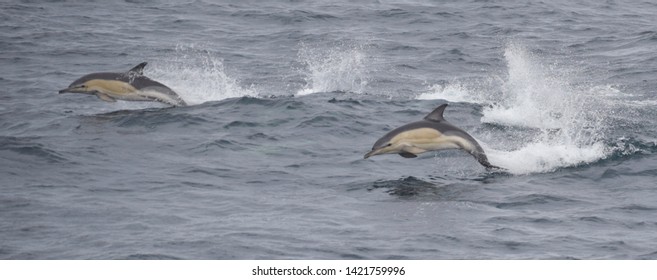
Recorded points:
(129, 86)
(406, 187)
(432, 187)
(433, 133)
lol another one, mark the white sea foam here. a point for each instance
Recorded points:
(340, 68)
(546, 156)
(198, 76)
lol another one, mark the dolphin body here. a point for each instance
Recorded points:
(433, 133)
(130, 86)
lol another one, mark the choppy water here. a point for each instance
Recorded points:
(288, 96)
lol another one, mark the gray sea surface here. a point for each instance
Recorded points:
(285, 99)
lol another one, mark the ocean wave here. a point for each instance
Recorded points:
(29, 146)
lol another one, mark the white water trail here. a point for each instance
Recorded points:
(547, 121)
(198, 76)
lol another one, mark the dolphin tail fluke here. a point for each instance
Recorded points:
(483, 160)
(176, 102)
(180, 104)
(491, 167)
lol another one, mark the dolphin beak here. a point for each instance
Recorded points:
(65, 90)
(74, 89)
(371, 153)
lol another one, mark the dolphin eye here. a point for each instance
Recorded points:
(389, 144)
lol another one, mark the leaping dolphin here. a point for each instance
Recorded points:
(130, 86)
(433, 133)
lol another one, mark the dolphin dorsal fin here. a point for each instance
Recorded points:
(437, 114)
(139, 69)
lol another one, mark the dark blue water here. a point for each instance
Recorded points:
(287, 97)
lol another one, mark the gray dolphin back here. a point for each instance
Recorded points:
(436, 121)
(97, 76)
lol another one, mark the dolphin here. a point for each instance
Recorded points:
(131, 86)
(433, 133)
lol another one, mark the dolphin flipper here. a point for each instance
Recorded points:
(407, 155)
(105, 97)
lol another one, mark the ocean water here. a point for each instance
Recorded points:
(286, 98)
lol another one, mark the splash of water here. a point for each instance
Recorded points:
(341, 68)
(571, 120)
(549, 122)
(198, 76)
(535, 95)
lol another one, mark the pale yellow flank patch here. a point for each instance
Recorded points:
(110, 87)
(420, 136)
(422, 140)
